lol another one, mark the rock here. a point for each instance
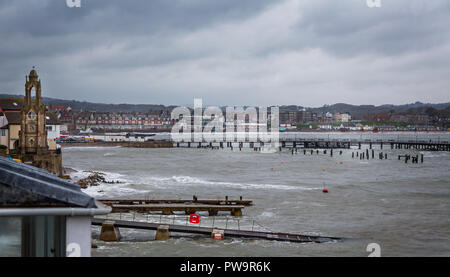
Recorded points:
(94, 180)
(68, 170)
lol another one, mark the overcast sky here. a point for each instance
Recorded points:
(229, 52)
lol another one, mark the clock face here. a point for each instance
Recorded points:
(31, 128)
(31, 115)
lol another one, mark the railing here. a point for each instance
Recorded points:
(216, 222)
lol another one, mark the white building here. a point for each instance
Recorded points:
(53, 128)
(342, 117)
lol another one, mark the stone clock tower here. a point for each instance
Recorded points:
(33, 135)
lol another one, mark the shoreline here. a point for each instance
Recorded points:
(131, 144)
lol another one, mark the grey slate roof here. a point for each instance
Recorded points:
(27, 186)
(13, 117)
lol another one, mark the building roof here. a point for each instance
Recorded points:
(51, 118)
(22, 185)
(13, 117)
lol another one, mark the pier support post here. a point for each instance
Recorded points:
(162, 233)
(218, 234)
(109, 232)
(167, 212)
(212, 212)
(236, 212)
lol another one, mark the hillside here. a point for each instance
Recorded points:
(357, 111)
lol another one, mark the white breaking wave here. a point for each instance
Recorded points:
(193, 181)
(104, 189)
(143, 184)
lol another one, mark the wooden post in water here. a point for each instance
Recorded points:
(162, 233)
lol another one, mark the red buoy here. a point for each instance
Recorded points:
(325, 191)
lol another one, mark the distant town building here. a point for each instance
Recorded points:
(342, 117)
(126, 121)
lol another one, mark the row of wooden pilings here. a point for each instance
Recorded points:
(325, 151)
(363, 155)
(366, 155)
(414, 159)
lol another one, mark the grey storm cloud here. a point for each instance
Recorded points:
(253, 52)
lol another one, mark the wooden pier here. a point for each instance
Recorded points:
(169, 206)
(168, 209)
(424, 145)
(225, 201)
(208, 231)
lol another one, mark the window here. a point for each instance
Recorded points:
(10, 236)
(3, 132)
(49, 128)
(43, 236)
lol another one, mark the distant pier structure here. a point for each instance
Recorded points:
(311, 143)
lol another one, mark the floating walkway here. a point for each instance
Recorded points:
(212, 231)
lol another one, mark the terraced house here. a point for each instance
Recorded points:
(122, 121)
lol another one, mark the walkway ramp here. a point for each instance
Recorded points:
(227, 232)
